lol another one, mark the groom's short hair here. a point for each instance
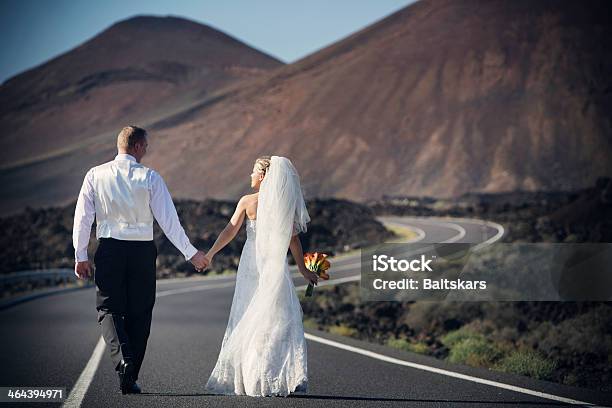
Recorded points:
(129, 136)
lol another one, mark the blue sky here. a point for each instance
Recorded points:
(33, 31)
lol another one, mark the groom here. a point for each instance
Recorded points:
(124, 196)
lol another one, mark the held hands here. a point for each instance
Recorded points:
(82, 269)
(200, 261)
(209, 255)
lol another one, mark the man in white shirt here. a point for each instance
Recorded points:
(124, 197)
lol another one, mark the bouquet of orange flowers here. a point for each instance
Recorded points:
(317, 263)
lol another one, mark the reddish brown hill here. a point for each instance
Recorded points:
(138, 68)
(440, 98)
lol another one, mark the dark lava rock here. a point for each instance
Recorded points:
(42, 238)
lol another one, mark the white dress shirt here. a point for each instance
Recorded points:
(160, 203)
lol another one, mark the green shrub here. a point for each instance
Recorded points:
(343, 330)
(406, 345)
(475, 351)
(310, 323)
(456, 336)
(529, 363)
(419, 347)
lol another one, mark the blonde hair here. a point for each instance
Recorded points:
(129, 136)
(262, 164)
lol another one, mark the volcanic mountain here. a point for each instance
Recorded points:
(439, 98)
(133, 71)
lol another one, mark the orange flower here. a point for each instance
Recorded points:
(316, 262)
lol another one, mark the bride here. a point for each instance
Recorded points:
(263, 352)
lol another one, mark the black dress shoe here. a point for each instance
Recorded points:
(126, 379)
(133, 389)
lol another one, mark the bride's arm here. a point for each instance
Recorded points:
(230, 230)
(298, 254)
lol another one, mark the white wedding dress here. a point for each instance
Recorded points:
(263, 352)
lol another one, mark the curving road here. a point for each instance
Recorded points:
(54, 341)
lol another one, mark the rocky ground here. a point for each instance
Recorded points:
(566, 342)
(42, 238)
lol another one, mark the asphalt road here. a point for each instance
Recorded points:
(54, 341)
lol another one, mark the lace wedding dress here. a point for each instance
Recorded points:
(263, 352)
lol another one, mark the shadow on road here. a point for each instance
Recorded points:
(344, 398)
(382, 399)
(174, 394)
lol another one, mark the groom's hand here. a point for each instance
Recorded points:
(82, 269)
(199, 261)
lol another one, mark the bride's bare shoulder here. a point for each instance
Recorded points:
(249, 205)
(249, 198)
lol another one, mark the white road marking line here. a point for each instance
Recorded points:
(230, 284)
(420, 233)
(500, 228)
(333, 281)
(448, 373)
(461, 231)
(75, 398)
(204, 278)
(194, 289)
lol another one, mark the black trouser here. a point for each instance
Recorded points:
(125, 280)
